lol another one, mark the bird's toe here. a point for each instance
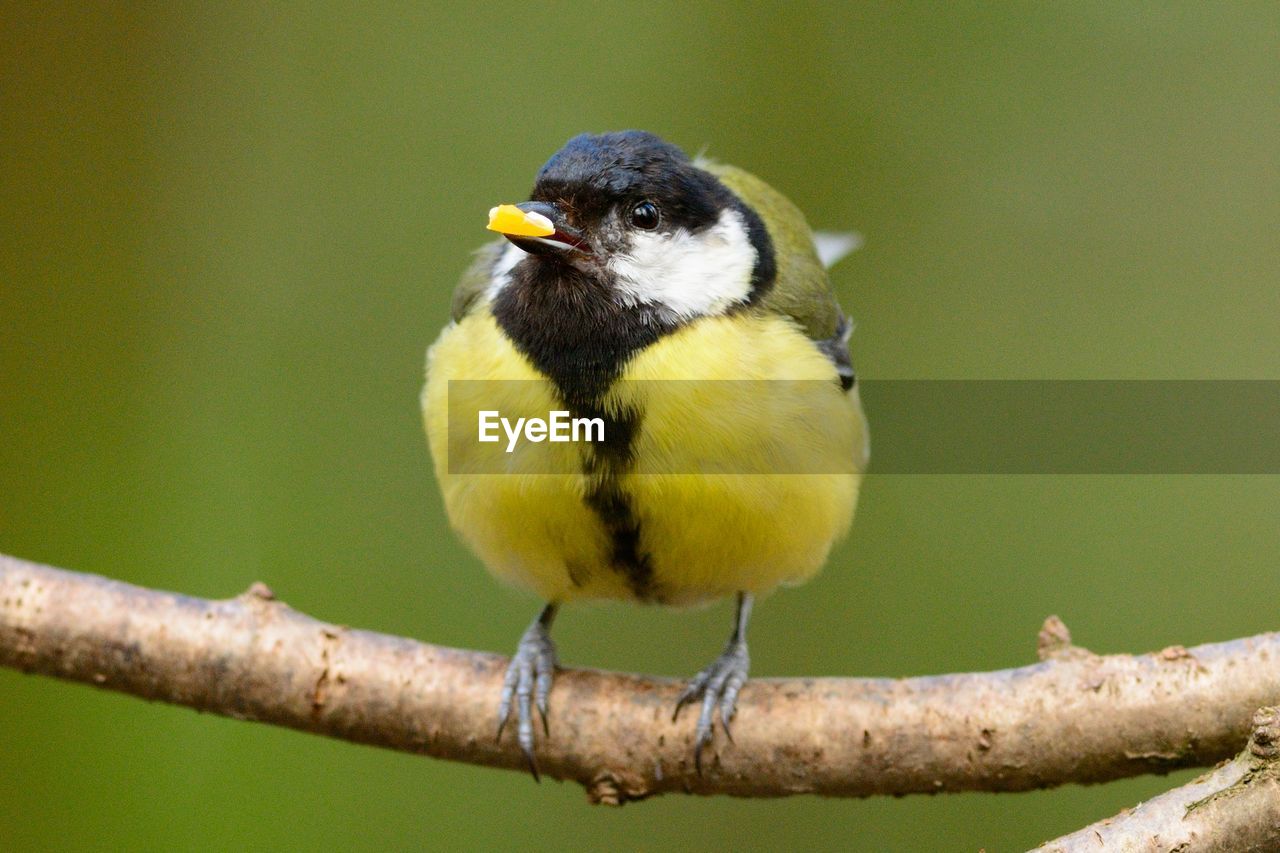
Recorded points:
(717, 686)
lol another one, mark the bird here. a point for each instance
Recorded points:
(684, 306)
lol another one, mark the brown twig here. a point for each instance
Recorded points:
(1074, 717)
(1235, 807)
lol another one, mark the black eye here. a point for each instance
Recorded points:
(645, 215)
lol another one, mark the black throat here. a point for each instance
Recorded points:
(573, 329)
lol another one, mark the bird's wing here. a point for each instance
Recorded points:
(476, 279)
(836, 348)
(802, 290)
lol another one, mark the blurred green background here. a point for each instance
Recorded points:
(230, 231)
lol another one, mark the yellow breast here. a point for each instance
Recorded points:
(742, 472)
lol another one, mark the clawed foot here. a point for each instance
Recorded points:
(528, 683)
(718, 684)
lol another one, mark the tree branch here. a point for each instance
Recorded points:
(1236, 807)
(1073, 717)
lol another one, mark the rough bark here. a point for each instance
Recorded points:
(1073, 717)
(1234, 808)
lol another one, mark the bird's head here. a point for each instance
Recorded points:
(635, 215)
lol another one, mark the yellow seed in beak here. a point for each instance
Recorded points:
(511, 220)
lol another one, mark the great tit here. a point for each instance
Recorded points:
(631, 270)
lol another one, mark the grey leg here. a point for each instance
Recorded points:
(528, 682)
(719, 683)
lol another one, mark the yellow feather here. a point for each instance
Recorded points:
(707, 534)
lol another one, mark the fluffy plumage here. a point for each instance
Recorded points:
(704, 489)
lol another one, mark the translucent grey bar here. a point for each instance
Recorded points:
(916, 427)
(1074, 426)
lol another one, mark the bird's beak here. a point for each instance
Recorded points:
(537, 227)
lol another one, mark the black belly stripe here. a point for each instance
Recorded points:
(574, 330)
(612, 507)
(605, 464)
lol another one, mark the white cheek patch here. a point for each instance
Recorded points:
(692, 275)
(501, 275)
